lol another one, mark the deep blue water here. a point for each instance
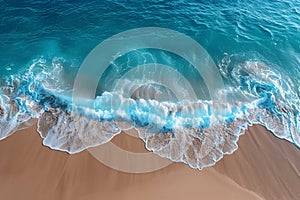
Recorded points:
(255, 45)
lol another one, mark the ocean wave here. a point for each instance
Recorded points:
(196, 132)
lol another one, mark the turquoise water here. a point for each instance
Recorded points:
(255, 45)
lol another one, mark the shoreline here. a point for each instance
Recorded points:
(261, 168)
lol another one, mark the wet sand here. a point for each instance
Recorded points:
(264, 167)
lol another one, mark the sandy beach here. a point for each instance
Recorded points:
(264, 167)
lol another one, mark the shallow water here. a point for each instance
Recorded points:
(255, 45)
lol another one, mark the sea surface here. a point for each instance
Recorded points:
(255, 46)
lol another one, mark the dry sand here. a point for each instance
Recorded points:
(264, 167)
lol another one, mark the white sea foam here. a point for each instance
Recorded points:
(196, 132)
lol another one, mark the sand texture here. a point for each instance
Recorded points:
(264, 167)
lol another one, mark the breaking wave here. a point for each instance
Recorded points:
(196, 132)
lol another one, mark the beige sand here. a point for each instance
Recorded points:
(264, 167)
(264, 164)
